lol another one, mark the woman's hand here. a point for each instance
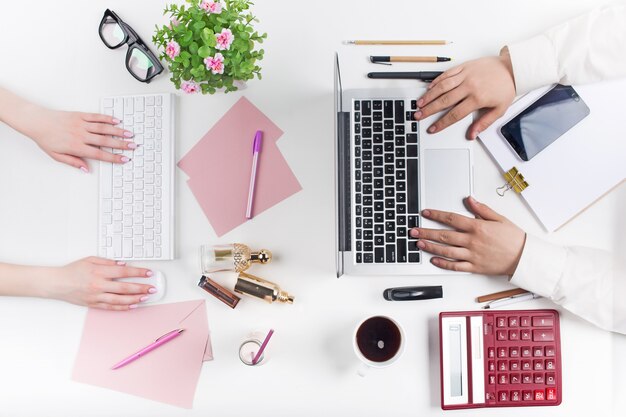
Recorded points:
(485, 83)
(489, 244)
(69, 137)
(91, 282)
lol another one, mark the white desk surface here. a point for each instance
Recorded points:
(51, 53)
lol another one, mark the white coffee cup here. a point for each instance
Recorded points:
(378, 341)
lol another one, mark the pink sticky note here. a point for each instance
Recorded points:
(168, 374)
(219, 167)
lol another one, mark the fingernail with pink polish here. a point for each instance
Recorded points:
(121, 263)
(128, 134)
(131, 145)
(125, 159)
(420, 103)
(415, 233)
(116, 121)
(149, 273)
(432, 129)
(418, 115)
(426, 213)
(84, 169)
(152, 290)
(421, 244)
(132, 306)
(144, 298)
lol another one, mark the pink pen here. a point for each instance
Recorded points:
(160, 341)
(256, 148)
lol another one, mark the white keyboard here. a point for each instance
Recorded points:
(136, 215)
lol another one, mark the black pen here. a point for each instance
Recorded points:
(426, 76)
(378, 59)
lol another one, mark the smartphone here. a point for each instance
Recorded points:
(544, 121)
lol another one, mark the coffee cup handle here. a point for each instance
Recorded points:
(363, 369)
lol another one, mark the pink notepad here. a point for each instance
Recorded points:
(168, 374)
(219, 166)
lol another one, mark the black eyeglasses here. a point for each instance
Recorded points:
(140, 61)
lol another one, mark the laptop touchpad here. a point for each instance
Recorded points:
(447, 179)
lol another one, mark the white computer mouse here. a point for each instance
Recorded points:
(157, 280)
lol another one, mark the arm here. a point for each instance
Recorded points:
(586, 49)
(67, 137)
(89, 282)
(582, 280)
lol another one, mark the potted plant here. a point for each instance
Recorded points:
(210, 45)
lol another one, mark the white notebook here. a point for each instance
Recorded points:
(579, 167)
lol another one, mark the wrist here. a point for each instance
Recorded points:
(518, 257)
(505, 59)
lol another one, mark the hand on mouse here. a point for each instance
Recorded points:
(489, 244)
(484, 83)
(91, 282)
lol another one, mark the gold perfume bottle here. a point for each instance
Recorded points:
(260, 288)
(230, 257)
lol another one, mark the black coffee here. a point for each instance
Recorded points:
(378, 339)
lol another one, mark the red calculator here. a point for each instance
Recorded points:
(507, 358)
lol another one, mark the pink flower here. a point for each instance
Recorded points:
(215, 63)
(211, 6)
(224, 39)
(189, 87)
(172, 49)
(173, 22)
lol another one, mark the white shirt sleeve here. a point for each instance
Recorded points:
(583, 280)
(586, 49)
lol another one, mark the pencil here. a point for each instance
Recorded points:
(500, 295)
(396, 42)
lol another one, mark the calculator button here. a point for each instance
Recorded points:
(502, 352)
(502, 366)
(526, 366)
(503, 379)
(550, 378)
(543, 335)
(543, 321)
(514, 366)
(539, 395)
(538, 351)
(526, 352)
(513, 334)
(551, 394)
(515, 396)
(538, 365)
(513, 322)
(524, 321)
(527, 395)
(492, 379)
(550, 366)
(538, 378)
(527, 379)
(491, 352)
(525, 334)
(550, 351)
(514, 352)
(501, 334)
(515, 379)
(503, 395)
(501, 322)
(492, 366)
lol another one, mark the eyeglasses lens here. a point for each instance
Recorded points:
(112, 33)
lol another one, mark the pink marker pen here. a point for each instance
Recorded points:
(256, 148)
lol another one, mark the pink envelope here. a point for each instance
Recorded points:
(219, 168)
(168, 374)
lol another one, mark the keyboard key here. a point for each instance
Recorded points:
(543, 335)
(399, 111)
(550, 378)
(377, 116)
(366, 108)
(401, 250)
(411, 151)
(377, 105)
(412, 186)
(503, 396)
(414, 257)
(516, 396)
(543, 321)
(551, 394)
(388, 109)
(411, 138)
(368, 258)
(379, 255)
(357, 105)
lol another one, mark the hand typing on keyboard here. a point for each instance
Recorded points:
(90, 282)
(68, 137)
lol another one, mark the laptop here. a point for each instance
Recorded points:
(388, 169)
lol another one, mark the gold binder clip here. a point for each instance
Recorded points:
(514, 181)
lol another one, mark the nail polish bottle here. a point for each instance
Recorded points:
(230, 257)
(260, 288)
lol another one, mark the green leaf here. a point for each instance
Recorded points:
(199, 25)
(207, 35)
(185, 55)
(204, 51)
(193, 48)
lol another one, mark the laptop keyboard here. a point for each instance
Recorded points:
(385, 183)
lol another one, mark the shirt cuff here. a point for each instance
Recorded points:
(534, 63)
(540, 267)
